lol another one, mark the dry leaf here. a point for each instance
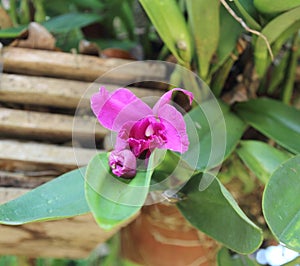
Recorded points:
(116, 53)
(5, 21)
(38, 38)
(89, 48)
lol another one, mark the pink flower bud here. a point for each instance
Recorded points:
(123, 163)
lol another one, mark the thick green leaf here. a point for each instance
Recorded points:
(170, 24)
(111, 200)
(215, 212)
(218, 133)
(274, 119)
(281, 205)
(224, 258)
(204, 20)
(60, 198)
(271, 6)
(272, 31)
(261, 158)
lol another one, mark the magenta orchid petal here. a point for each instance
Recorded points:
(117, 108)
(98, 99)
(167, 97)
(123, 163)
(175, 129)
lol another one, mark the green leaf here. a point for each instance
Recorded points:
(272, 31)
(60, 198)
(271, 6)
(230, 31)
(70, 21)
(281, 205)
(68, 40)
(171, 171)
(170, 24)
(218, 133)
(225, 259)
(261, 158)
(249, 13)
(112, 200)
(12, 32)
(215, 212)
(60, 24)
(274, 119)
(204, 20)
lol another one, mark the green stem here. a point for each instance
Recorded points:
(220, 77)
(13, 12)
(289, 84)
(126, 16)
(163, 53)
(40, 14)
(25, 12)
(278, 74)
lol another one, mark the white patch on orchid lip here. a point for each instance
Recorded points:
(149, 131)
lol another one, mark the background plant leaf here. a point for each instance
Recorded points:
(230, 30)
(270, 6)
(111, 200)
(274, 119)
(70, 21)
(171, 26)
(281, 205)
(215, 212)
(261, 158)
(57, 25)
(204, 20)
(60, 198)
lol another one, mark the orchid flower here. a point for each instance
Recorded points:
(139, 128)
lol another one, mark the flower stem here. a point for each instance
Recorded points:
(218, 81)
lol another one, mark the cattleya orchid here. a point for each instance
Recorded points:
(140, 129)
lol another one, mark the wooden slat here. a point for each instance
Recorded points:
(7, 194)
(15, 154)
(55, 127)
(27, 179)
(79, 67)
(68, 238)
(55, 92)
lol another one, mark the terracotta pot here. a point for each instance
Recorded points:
(160, 236)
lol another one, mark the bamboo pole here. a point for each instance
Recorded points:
(78, 67)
